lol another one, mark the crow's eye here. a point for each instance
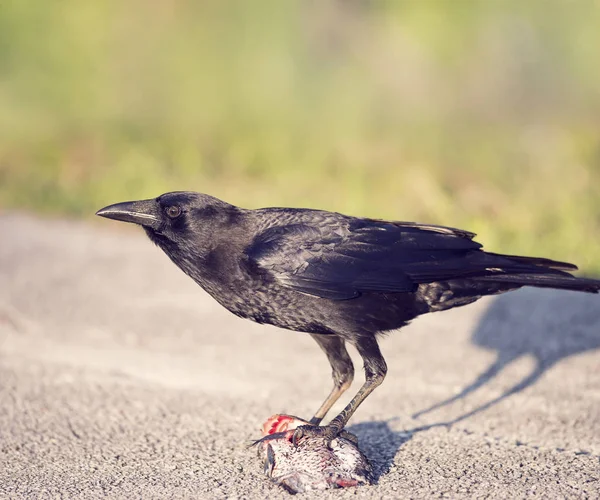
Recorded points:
(173, 211)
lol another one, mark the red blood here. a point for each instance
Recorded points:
(344, 483)
(277, 423)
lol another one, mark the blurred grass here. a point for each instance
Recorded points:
(482, 115)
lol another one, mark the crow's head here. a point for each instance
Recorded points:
(177, 221)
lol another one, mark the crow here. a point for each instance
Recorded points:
(339, 278)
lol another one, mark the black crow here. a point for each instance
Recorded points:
(339, 278)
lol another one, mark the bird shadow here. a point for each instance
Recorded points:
(380, 444)
(546, 325)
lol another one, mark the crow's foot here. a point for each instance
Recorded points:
(327, 432)
(296, 429)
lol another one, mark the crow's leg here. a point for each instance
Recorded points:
(375, 370)
(342, 371)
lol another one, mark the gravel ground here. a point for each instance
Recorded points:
(119, 377)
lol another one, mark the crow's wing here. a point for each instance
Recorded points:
(340, 258)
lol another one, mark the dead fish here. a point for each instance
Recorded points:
(310, 464)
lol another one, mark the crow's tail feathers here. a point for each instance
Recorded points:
(541, 273)
(537, 261)
(546, 281)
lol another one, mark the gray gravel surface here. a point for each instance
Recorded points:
(119, 377)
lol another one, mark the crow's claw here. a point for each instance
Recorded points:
(327, 432)
(268, 437)
(349, 436)
(294, 429)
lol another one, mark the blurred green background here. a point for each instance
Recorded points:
(478, 114)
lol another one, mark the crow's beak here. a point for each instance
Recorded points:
(144, 212)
